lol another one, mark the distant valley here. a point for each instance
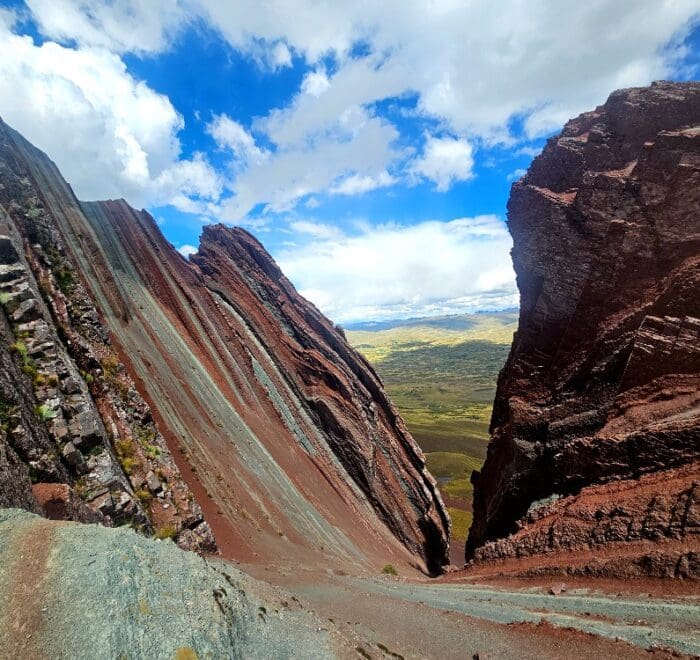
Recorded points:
(441, 374)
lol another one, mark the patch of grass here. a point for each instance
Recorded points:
(461, 522)
(143, 495)
(124, 448)
(20, 348)
(451, 465)
(459, 489)
(44, 413)
(166, 532)
(27, 367)
(110, 367)
(125, 451)
(389, 569)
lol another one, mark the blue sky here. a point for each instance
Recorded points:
(369, 146)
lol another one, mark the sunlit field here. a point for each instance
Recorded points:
(441, 374)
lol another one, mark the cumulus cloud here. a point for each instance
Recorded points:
(187, 250)
(444, 161)
(229, 134)
(316, 229)
(315, 83)
(358, 145)
(396, 271)
(280, 56)
(118, 25)
(482, 76)
(357, 184)
(111, 135)
(472, 67)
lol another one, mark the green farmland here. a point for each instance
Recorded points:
(441, 374)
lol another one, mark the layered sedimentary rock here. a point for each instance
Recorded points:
(596, 427)
(281, 431)
(77, 441)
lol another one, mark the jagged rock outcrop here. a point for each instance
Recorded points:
(597, 412)
(82, 591)
(70, 413)
(282, 432)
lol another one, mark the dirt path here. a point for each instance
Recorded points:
(418, 619)
(21, 619)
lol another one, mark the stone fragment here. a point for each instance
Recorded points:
(153, 483)
(28, 310)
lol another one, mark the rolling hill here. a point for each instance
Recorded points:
(441, 373)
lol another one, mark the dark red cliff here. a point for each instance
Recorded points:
(595, 450)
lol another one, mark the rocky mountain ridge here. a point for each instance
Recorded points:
(151, 385)
(594, 461)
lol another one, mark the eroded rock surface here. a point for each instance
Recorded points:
(83, 591)
(133, 355)
(599, 400)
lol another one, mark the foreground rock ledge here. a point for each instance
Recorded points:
(85, 591)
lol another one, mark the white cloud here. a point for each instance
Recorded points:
(7, 18)
(316, 229)
(111, 135)
(119, 25)
(187, 250)
(397, 271)
(229, 134)
(471, 69)
(357, 184)
(280, 56)
(358, 145)
(516, 174)
(315, 83)
(444, 161)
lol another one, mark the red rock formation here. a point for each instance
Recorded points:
(281, 429)
(603, 381)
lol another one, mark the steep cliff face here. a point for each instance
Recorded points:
(596, 427)
(77, 441)
(281, 431)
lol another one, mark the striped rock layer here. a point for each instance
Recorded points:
(594, 460)
(279, 430)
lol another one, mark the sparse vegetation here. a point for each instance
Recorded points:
(110, 367)
(20, 349)
(143, 495)
(389, 570)
(7, 410)
(461, 522)
(27, 367)
(125, 450)
(81, 487)
(44, 412)
(166, 532)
